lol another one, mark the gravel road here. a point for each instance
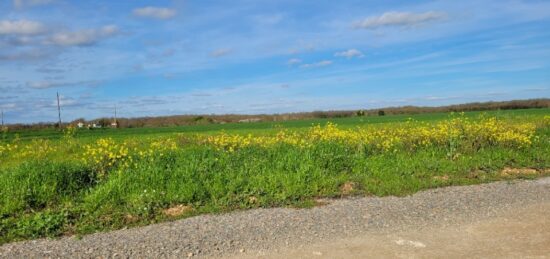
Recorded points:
(348, 225)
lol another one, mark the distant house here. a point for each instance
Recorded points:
(114, 125)
(80, 124)
(250, 120)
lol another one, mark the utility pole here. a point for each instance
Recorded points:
(116, 123)
(58, 110)
(2, 118)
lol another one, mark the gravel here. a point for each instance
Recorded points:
(267, 229)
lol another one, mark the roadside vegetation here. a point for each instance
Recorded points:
(81, 182)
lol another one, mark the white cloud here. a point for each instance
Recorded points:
(294, 61)
(8, 106)
(402, 19)
(350, 53)
(317, 64)
(220, 52)
(21, 27)
(52, 84)
(155, 12)
(26, 3)
(41, 85)
(83, 37)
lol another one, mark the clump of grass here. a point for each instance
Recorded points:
(38, 185)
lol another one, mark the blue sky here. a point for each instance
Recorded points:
(200, 57)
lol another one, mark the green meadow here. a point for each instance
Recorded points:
(79, 181)
(268, 127)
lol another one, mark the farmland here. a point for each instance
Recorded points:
(81, 181)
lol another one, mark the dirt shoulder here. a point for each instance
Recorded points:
(516, 234)
(491, 220)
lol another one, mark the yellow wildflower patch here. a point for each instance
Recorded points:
(105, 153)
(410, 135)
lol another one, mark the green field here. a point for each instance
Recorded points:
(267, 127)
(81, 181)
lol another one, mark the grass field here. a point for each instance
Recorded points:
(267, 127)
(82, 181)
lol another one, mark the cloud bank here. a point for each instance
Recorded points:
(84, 37)
(21, 27)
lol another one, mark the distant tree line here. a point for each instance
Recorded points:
(182, 120)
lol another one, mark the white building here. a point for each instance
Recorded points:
(250, 120)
